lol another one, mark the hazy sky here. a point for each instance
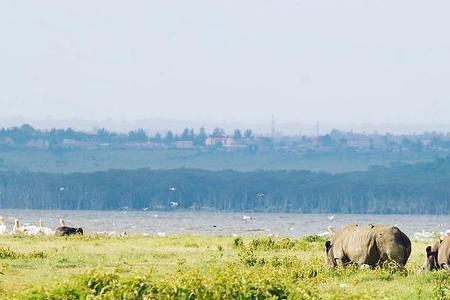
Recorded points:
(333, 61)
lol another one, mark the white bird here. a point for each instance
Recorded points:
(61, 188)
(246, 218)
(324, 234)
(173, 189)
(331, 230)
(45, 230)
(31, 229)
(424, 235)
(331, 217)
(145, 209)
(17, 229)
(161, 234)
(3, 227)
(106, 233)
(173, 204)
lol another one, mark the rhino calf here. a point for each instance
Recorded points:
(368, 245)
(438, 255)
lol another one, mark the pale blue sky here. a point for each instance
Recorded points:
(334, 61)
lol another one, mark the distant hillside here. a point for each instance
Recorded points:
(67, 150)
(421, 188)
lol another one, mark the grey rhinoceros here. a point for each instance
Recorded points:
(438, 255)
(368, 245)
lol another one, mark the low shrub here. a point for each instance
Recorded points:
(8, 253)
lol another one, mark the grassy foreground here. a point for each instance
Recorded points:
(199, 267)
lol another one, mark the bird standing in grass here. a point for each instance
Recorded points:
(3, 227)
(17, 229)
(45, 230)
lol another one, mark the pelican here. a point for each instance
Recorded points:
(17, 229)
(31, 229)
(3, 227)
(45, 230)
(331, 230)
(424, 235)
(324, 234)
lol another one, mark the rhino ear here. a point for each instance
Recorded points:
(428, 250)
(327, 245)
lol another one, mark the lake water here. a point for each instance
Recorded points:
(218, 223)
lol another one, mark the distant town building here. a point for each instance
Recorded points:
(359, 142)
(74, 144)
(184, 144)
(220, 141)
(38, 144)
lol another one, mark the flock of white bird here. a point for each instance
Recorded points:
(18, 229)
(40, 229)
(426, 235)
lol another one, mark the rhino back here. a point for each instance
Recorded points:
(443, 257)
(393, 244)
(357, 244)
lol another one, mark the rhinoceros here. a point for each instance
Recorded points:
(368, 245)
(438, 255)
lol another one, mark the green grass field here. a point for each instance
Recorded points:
(199, 267)
(97, 160)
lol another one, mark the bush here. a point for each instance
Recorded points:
(7, 253)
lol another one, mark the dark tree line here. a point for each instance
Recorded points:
(422, 188)
(25, 133)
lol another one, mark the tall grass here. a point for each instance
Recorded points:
(192, 267)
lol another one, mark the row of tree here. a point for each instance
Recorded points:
(25, 133)
(405, 189)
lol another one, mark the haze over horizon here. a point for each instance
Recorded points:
(154, 125)
(352, 62)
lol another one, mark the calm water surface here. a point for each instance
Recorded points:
(218, 223)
